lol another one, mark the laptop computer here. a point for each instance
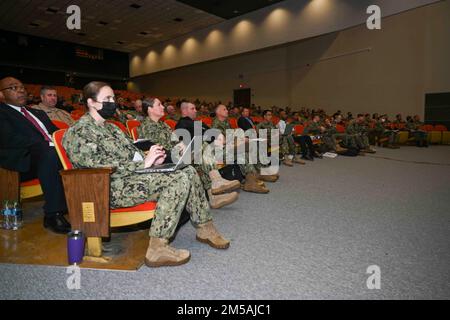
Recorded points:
(169, 167)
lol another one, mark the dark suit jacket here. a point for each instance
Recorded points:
(188, 124)
(244, 124)
(18, 135)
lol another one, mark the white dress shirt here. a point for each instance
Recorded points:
(18, 109)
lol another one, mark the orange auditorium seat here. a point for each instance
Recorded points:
(60, 124)
(233, 123)
(171, 123)
(120, 125)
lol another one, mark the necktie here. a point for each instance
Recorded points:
(34, 122)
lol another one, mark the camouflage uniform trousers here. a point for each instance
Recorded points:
(358, 141)
(392, 135)
(208, 164)
(287, 146)
(173, 191)
(331, 141)
(419, 135)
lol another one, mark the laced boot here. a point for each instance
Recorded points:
(207, 233)
(221, 200)
(221, 185)
(160, 254)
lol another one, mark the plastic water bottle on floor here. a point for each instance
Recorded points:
(16, 218)
(6, 213)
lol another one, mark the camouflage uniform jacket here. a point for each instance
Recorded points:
(91, 145)
(313, 129)
(223, 126)
(266, 125)
(175, 117)
(331, 130)
(157, 132)
(355, 128)
(414, 125)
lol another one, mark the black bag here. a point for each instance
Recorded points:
(232, 172)
(351, 152)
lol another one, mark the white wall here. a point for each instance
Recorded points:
(281, 23)
(386, 71)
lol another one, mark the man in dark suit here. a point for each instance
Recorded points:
(26, 147)
(245, 122)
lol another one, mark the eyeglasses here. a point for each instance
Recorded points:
(14, 88)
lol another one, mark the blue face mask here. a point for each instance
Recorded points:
(108, 110)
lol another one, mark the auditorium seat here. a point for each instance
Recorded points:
(171, 123)
(233, 123)
(60, 124)
(12, 189)
(120, 125)
(207, 120)
(132, 124)
(87, 196)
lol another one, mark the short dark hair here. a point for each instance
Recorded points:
(147, 103)
(265, 112)
(46, 88)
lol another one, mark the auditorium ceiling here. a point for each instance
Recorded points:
(118, 24)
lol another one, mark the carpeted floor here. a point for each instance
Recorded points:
(312, 237)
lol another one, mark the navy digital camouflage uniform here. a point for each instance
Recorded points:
(160, 133)
(358, 132)
(245, 166)
(92, 145)
(285, 149)
(381, 132)
(413, 127)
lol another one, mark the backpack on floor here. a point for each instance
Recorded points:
(232, 172)
(351, 152)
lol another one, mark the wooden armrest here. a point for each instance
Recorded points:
(87, 194)
(9, 185)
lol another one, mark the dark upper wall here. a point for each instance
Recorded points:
(46, 60)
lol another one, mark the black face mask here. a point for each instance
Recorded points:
(108, 110)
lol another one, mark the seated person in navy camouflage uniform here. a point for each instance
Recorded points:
(91, 142)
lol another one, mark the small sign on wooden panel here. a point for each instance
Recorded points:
(88, 212)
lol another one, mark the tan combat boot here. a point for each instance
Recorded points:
(207, 233)
(221, 185)
(369, 150)
(252, 184)
(268, 177)
(221, 200)
(288, 162)
(297, 159)
(160, 254)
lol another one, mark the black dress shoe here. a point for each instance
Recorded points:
(57, 223)
(317, 155)
(307, 157)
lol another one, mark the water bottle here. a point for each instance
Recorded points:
(16, 216)
(6, 212)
